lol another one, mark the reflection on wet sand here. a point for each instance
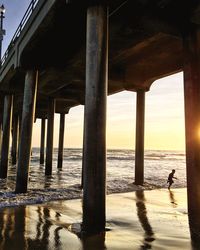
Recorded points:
(193, 226)
(19, 231)
(57, 237)
(89, 241)
(142, 215)
(39, 223)
(96, 242)
(12, 221)
(43, 230)
(47, 226)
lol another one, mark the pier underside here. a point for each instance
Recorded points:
(75, 52)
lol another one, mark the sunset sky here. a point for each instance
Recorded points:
(164, 115)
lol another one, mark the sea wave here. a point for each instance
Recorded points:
(38, 196)
(65, 183)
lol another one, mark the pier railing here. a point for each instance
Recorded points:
(24, 20)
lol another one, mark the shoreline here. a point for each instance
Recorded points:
(155, 219)
(41, 196)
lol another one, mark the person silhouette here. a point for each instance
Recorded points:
(170, 178)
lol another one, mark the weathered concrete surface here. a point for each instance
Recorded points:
(94, 174)
(192, 122)
(139, 135)
(15, 135)
(50, 130)
(7, 120)
(28, 113)
(42, 140)
(61, 141)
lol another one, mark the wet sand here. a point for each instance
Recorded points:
(155, 219)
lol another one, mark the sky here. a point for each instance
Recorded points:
(164, 111)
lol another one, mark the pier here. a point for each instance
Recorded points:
(71, 52)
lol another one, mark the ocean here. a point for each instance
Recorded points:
(65, 183)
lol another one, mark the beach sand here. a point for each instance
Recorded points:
(155, 219)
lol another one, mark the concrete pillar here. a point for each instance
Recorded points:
(20, 125)
(82, 170)
(7, 120)
(15, 134)
(49, 146)
(95, 120)
(28, 114)
(19, 136)
(61, 140)
(139, 143)
(1, 132)
(191, 45)
(42, 141)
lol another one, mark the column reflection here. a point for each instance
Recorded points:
(12, 228)
(96, 242)
(142, 215)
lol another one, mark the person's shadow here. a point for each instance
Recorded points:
(172, 199)
(142, 215)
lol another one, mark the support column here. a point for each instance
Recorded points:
(20, 126)
(191, 44)
(61, 140)
(28, 114)
(82, 167)
(49, 146)
(95, 120)
(7, 120)
(139, 143)
(42, 141)
(15, 134)
(1, 132)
